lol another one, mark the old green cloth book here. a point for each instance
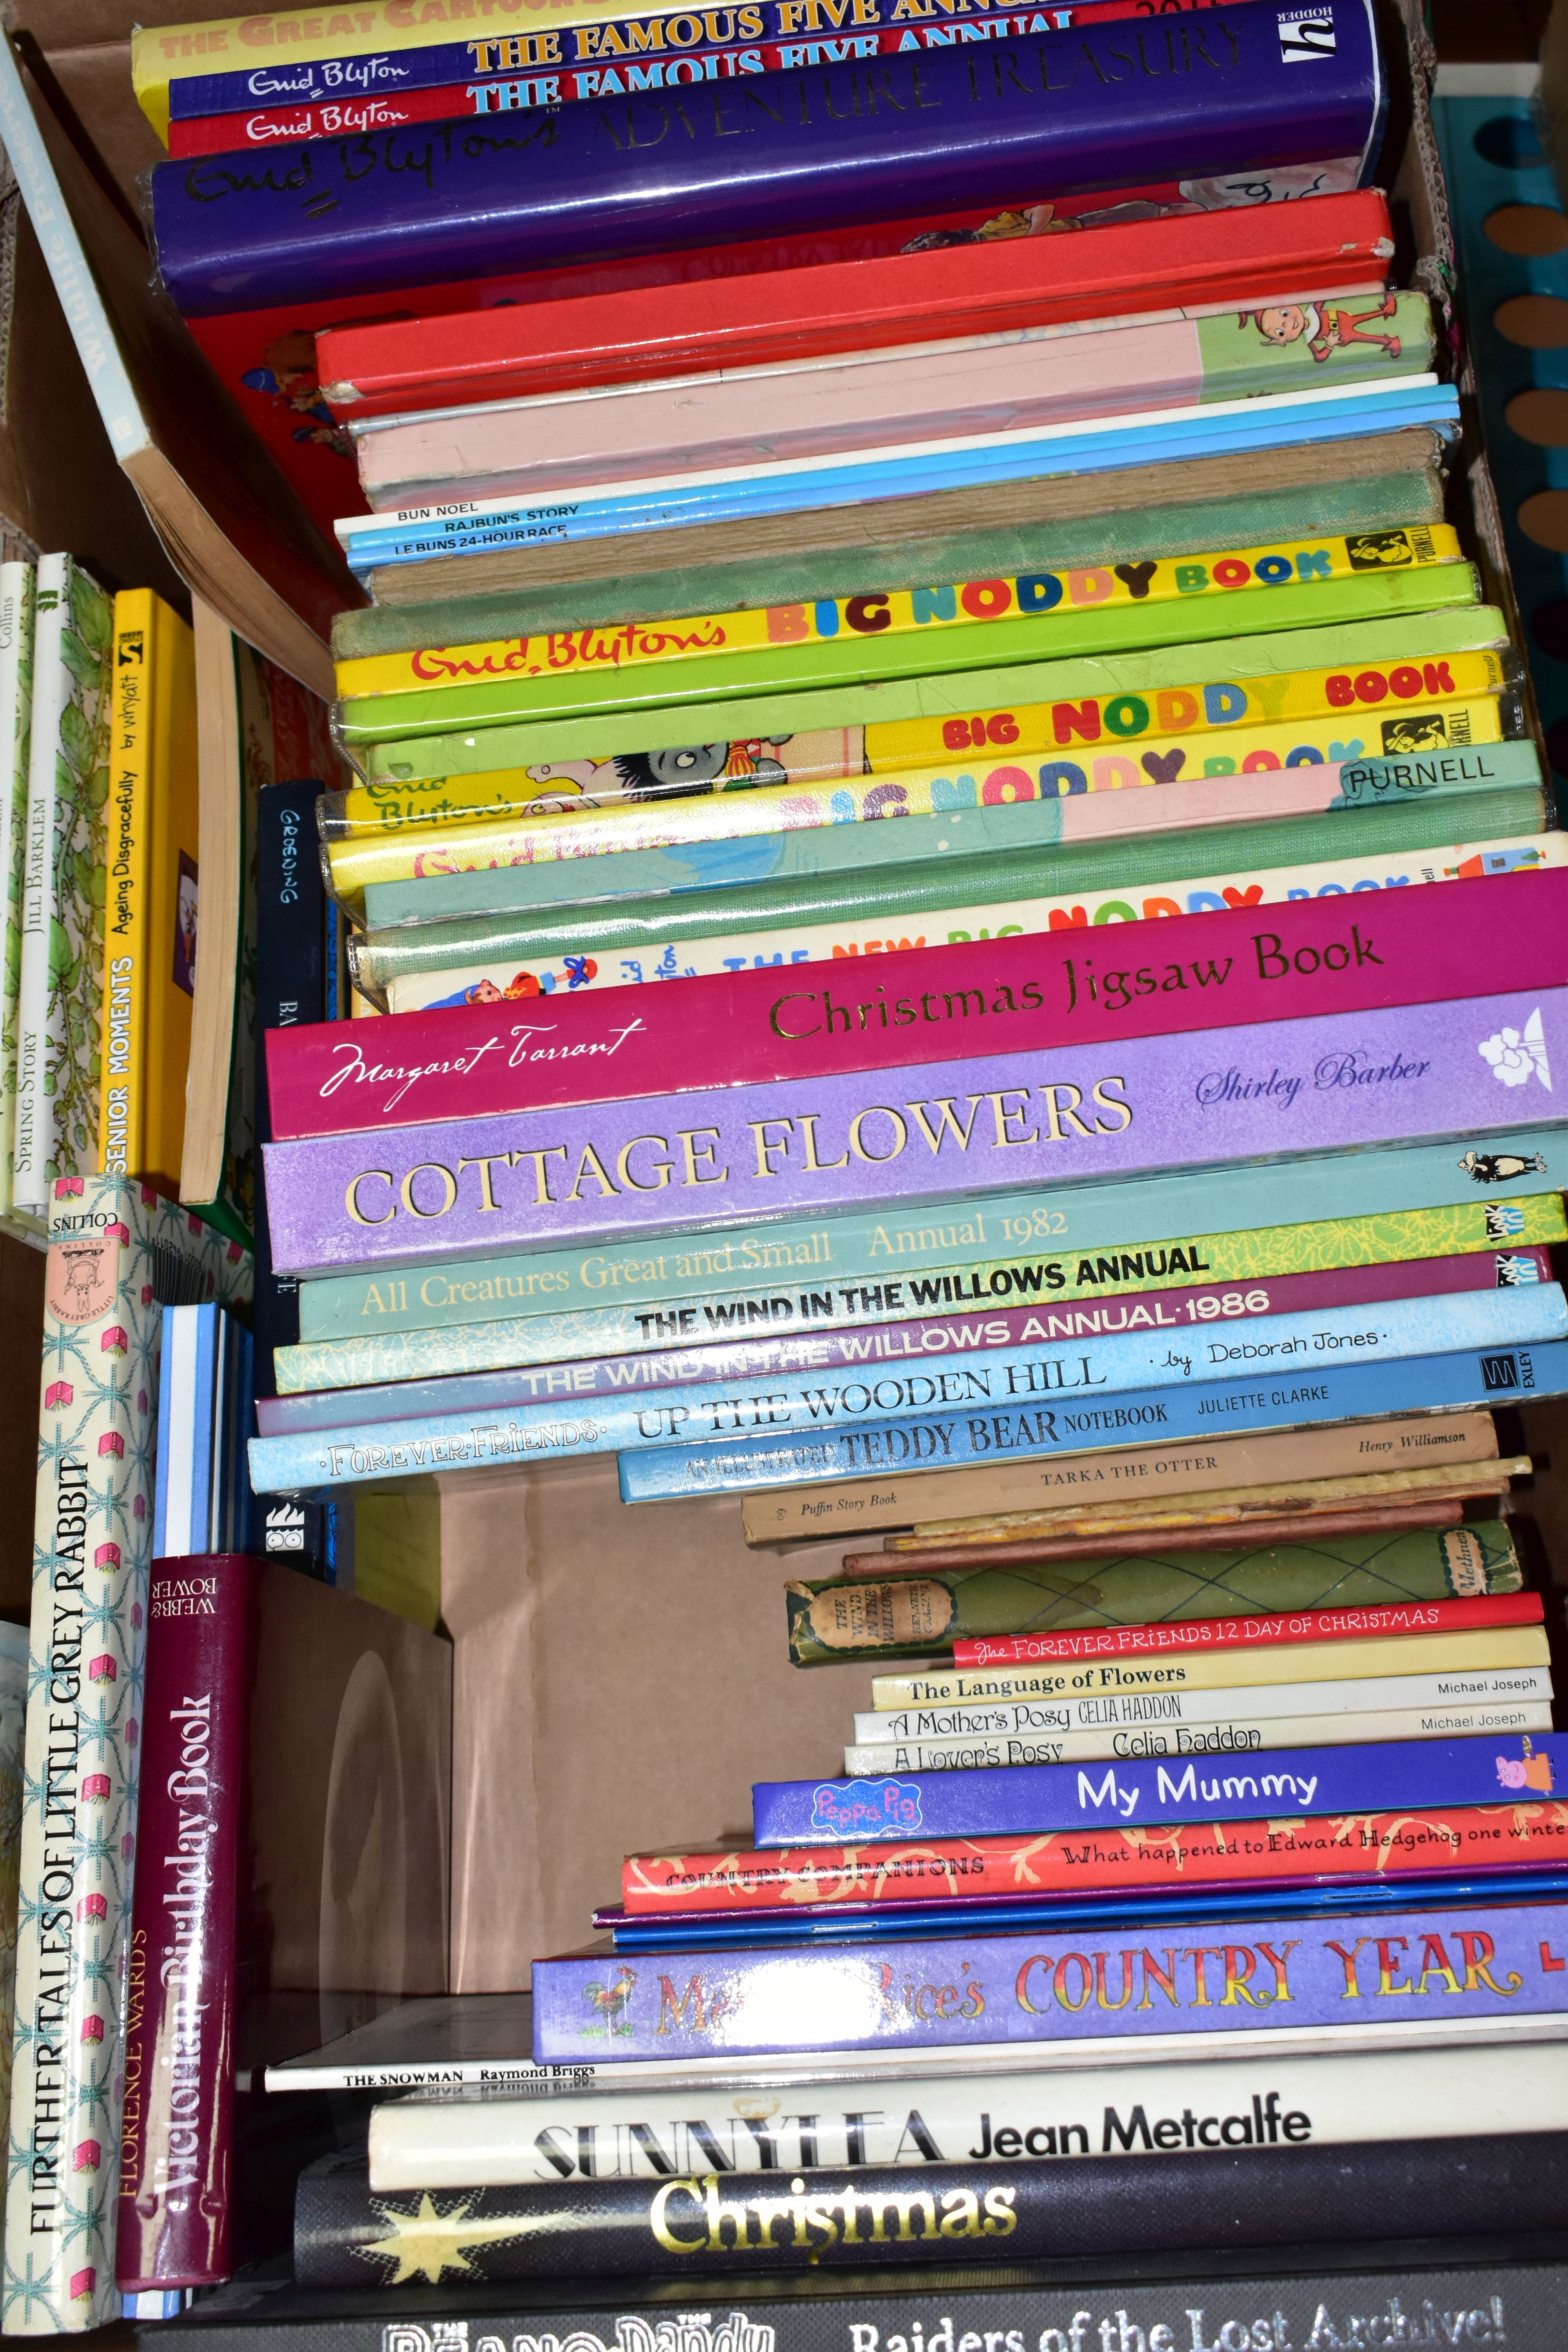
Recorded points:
(922, 1616)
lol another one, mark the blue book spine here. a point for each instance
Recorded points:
(1154, 1212)
(959, 1440)
(207, 1420)
(828, 147)
(1280, 1974)
(1001, 1380)
(1375, 1776)
(1225, 429)
(165, 1428)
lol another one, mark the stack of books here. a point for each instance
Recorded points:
(911, 533)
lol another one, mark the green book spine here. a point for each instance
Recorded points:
(1501, 796)
(922, 1616)
(765, 693)
(1386, 501)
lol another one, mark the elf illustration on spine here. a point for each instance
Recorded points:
(1325, 328)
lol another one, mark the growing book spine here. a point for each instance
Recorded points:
(1284, 1089)
(1486, 1200)
(127, 981)
(172, 2228)
(701, 2224)
(1239, 1735)
(253, 249)
(115, 1252)
(492, 968)
(1435, 1384)
(1536, 1313)
(17, 589)
(1047, 993)
(517, 1383)
(1481, 1964)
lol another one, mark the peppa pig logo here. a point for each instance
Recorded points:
(1530, 1770)
(857, 1809)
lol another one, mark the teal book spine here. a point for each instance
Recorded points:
(960, 1439)
(1003, 1379)
(1503, 778)
(873, 1246)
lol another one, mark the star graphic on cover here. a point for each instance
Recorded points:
(428, 2244)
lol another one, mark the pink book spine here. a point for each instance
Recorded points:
(1026, 994)
(176, 2146)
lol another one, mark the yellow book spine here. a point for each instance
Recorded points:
(121, 1099)
(958, 604)
(993, 781)
(1291, 1661)
(172, 879)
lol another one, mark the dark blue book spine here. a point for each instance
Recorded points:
(291, 985)
(825, 147)
(1382, 1777)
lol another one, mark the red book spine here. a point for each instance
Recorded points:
(176, 2152)
(1458, 1616)
(1321, 1851)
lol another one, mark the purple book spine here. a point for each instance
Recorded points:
(727, 1155)
(1404, 1971)
(175, 2152)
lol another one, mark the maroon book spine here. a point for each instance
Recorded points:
(175, 2152)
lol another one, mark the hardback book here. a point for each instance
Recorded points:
(480, 354)
(17, 587)
(1508, 1195)
(1037, 1798)
(255, 247)
(265, 1901)
(1484, 1965)
(831, 403)
(291, 990)
(1237, 1736)
(1014, 1612)
(256, 726)
(59, 1003)
(344, 2236)
(825, 1350)
(1052, 994)
(424, 2140)
(152, 893)
(1262, 517)
(202, 1497)
(117, 1253)
(1417, 1384)
(1414, 1075)
(794, 1404)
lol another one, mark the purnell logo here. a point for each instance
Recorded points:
(683, 2331)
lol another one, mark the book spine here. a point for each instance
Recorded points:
(701, 2225)
(885, 1996)
(127, 977)
(1535, 1314)
(1174, 1713)
(17, 587)
(633, 2134)
(517, 1384)
(505, 75)
(34, 1145)
(1240, 1736)
(1049, 1797)
(489, 970)
(256, 251)
(115, 1248)
(985, 615)
(1334, 1392)
(172, 2227)
(291, 990)
(1052, 992)
(1408, 1184)
(1285, 1089)
(1148, 1606)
